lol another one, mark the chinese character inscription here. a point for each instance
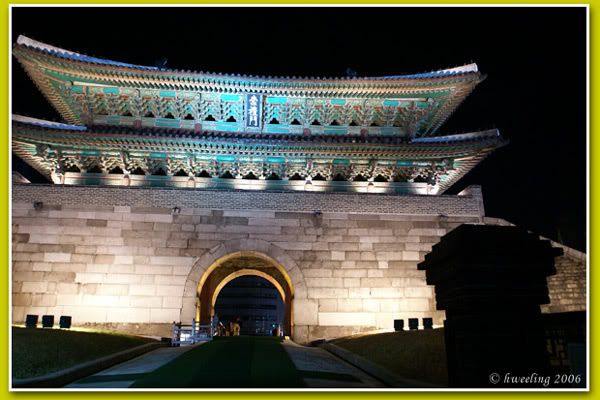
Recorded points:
(253, 110)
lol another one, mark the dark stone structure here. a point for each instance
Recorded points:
(491, 281)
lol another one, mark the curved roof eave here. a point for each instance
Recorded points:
(24, 41)
(490, 133)
(47, 124)
(57, 51)
(493, 134)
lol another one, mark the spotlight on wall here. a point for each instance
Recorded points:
(47, 321)
(38, 205)
(65, 322)
(31, 321)
(427, 323)
(175, 211)
(413, 324)
(398, 325)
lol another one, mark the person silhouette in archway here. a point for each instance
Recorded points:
(236, 326)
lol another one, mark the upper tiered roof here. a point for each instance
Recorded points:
(135, 125)
(89, 91)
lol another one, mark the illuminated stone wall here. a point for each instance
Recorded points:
(467, 204)
(568, 286)
(123, 259)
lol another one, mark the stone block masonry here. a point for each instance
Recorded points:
(140, 197)
(121, 258)
(568, 286)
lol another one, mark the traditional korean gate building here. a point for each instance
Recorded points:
(168, 184)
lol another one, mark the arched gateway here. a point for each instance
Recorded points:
(167, 184)
(236, 258)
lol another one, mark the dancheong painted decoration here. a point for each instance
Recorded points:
(137, 126)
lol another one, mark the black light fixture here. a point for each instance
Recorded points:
(64, 322)
(413, 324)
(398, 325)
(38, 205)
(31, 321)
(47, 321)
(427, 323)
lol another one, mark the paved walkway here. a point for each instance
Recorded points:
(317, 367)
(124, 374)
(322, 369)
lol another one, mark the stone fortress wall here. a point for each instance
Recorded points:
(131, 259)
(568, 286)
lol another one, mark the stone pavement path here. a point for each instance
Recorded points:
(124, 374)
(321, 369)
(317, 367)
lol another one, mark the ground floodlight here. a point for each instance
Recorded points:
(413, 324)
(398, 325)
(47, 321)
(427, 323)
(64, 322)
(31, 321)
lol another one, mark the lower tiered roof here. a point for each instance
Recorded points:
(111, 155)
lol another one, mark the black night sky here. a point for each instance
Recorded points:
(534, 58)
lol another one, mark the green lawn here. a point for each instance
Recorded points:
(228, 362)
(40, 351)
(419, 355)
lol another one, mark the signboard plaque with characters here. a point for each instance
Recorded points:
(253, 110)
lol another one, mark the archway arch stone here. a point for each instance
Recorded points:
(305, 312)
